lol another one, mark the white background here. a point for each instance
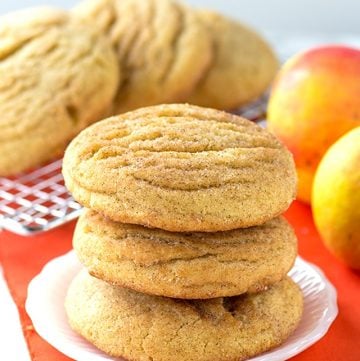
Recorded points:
(287, 16)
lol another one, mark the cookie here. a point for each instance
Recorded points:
(185, 265)
(162, 46)
(181, 168)
(56, 77)
(124, 323)
(242, 69)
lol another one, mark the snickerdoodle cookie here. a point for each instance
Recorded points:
(162, 46)
(56, 77)
(185, 265)
(181, 168)
(125, 323)
(242, 68)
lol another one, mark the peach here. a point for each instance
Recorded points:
(315, 99)
(336, 198)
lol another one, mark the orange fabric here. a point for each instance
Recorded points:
(342, 341)
(22, 258)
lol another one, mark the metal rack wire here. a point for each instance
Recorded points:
(38, 201)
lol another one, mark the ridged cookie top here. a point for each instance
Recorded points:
(21, 26)
(177, 148)
(56, 77)
(199, 168)
(243, 65)
(162, 46)
(45, 59)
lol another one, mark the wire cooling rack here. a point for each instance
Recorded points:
(38, 201)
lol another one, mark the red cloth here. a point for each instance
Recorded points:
(342, 341)
(23, 257)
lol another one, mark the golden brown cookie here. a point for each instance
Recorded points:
(242, 68)
(162, 46)
(56, 77)
(181, 168)
(124, 323)
(185, 265)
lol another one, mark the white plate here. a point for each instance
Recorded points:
(45, 306)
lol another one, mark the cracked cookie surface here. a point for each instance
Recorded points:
(242, 68)
(185, 265)
(181, 168)
(162, 46)
(139, 327)
(56, 77)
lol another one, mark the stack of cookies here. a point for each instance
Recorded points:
(185, 251)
